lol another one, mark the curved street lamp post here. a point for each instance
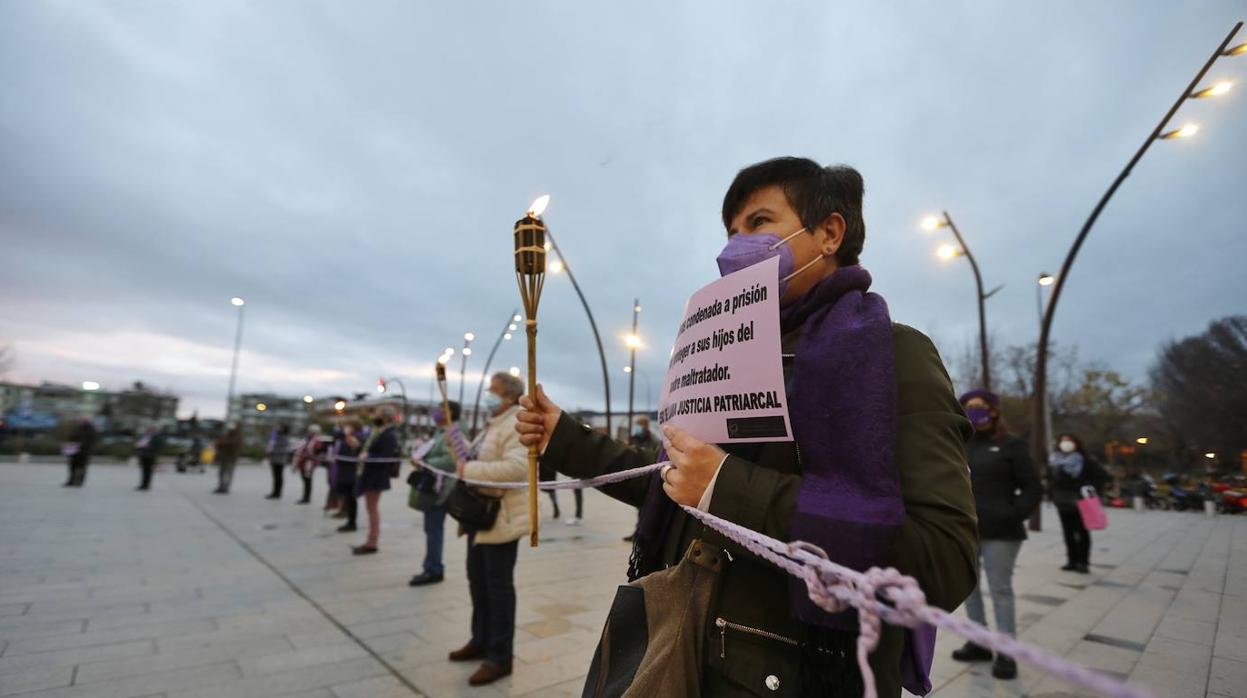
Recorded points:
(505, 334)
(1040, 437)
(932, 223)
(555, 267)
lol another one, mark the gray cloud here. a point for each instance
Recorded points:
(355, 172)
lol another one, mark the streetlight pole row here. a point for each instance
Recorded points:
(505, 334)
(233, 370)
(633, 342)
(1039, 441)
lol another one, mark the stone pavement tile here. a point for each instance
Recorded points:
(1178, 628)
(547, 649)
(14, 609)
(1169, 684)
(250, 649)
(315, 638)
(548, 627)
(1116, 660)
(567, 689)
(154, 683)
(1231, 642)
(293, 681)
(297, 659)
(1228, 677)
(395, 642)
(76, 655)
(101, 637)
(532, 677)
(35, 679)
(31, 626)
(1177, 655)
(380, 687)
(1196, 605)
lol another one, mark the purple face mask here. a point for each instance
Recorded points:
(979, 416)
(437, 415)
(747, 250)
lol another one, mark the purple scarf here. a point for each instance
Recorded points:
(842, 403)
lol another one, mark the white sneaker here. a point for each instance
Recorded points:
(574, 521)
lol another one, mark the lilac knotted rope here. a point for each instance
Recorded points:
(833, 587)
(879, 595)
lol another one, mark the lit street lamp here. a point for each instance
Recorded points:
(633, 341)
(948, 252)
(468, 337)
(233, 370)
(1039, 439)
(505, 335)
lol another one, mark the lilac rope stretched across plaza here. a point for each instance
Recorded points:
(836, 588)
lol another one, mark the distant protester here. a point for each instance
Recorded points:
(78, 450)
(228, 447)
(1006, 491)
(148, 448)
(429, 498)
(278, 452)
(1072, 469)
(379, 458)
(346, 469)
(306, 458)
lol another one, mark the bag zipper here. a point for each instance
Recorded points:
(725, 625)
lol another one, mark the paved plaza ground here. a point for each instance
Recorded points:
(111, 593)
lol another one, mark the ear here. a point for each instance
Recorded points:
(832, 236)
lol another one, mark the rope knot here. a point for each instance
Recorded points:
(819, 588)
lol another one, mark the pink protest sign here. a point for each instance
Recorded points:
(725, 379)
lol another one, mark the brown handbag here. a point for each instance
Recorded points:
(653, 641)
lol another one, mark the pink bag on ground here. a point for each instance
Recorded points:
(1093, 516)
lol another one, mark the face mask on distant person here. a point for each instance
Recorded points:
(638, 431)
(1067, 446)
(979, 416)
(744, 251)
(492, 402)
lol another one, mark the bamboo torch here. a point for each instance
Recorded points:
(530, 273)
(441, 386)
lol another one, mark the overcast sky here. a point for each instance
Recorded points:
(353, 170)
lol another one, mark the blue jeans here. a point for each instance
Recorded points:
(997, 560)
(434, 536)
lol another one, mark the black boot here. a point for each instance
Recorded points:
(1004, 668)
(971, 652)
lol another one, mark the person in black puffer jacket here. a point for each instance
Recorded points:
(1006, 492)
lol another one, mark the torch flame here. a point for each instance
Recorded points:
(539, 205)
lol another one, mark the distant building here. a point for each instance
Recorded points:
(36, 408)
(259, 413)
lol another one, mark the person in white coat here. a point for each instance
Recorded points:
(492, 553)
